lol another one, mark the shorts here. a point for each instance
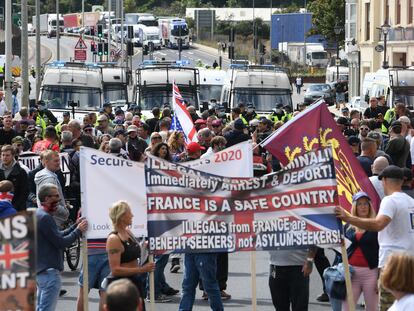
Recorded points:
(340, 97)
(98, 270)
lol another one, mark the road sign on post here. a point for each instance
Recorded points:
(80, 45)
(80, 55)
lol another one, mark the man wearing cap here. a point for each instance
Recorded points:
(251, 113)
(29, 138)
(45, 113)
(397, 148)
(264, 129)
(217, 126)
(135, 145)
(237, 135)
(199, 265)
(394, 222)
(103, 125)
(66, 120)
(107, 108)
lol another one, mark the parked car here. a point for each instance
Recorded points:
(316, 91)
(358, 104)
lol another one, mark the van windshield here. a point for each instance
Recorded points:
(157, 98)
(208, 92)
(262, 99)
(114, 92)
(58, 97)
(405, 95)
(179, 30)
(319, 55)
(149, 23)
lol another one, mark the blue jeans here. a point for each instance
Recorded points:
(160, 283)
(48, 288)
(202, 266)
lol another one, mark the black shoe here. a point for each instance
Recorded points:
(62, 292)
(323, 297)
(171, 292)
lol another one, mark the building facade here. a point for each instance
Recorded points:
(371, 15)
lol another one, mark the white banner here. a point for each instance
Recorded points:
(31, 160)
(106, 179)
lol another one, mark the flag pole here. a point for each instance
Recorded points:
(152, 285)
(85, 268)
(253, 276)
(349, 292)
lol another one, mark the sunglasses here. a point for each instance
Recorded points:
(216, 125)
(364, 129)
(87, 130)
(156, 137)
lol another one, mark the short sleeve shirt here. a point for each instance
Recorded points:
(398, 235)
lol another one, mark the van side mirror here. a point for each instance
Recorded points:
(204, 106)
(226, 106)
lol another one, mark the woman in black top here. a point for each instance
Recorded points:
(123, 249)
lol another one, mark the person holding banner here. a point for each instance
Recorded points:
(394, 223)
(363, 254)
(123, 249)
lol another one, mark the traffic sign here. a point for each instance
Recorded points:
(80, 45)
(379, 48)
(80, 54)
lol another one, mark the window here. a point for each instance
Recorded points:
(410, 11)
(398, 9)
(387, 11)
(367, 21)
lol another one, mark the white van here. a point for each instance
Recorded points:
(211, 84)
(264, 86)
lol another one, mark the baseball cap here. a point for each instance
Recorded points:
(216, 123)
(353, 140)
(194, 147)
(17, 139)
(31, 128)
(102, 117)
(238, 124)
(200, 121)
(106, 105)
(360, 194)
(132, 128)
(374, 135)
(66, 113)
(396, 124)
(391, 171)
(119, 132)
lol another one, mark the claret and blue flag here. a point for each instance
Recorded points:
(189, 210)
(315, 128)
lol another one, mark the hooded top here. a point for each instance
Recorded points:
(45, 176)
(6, 209)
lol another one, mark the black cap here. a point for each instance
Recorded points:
(279, 105)
(342, 120)
(120, 132)
(392, 171)
(107, 105)
(353, 140)
(66, 113)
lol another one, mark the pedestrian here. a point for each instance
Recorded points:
(363, 254)
(215, 64)
(50, 245)
(7, 133)
(122, 295)
(11, 170)
(289, 278)
(51, 164)
(124, 251)
(299, 84)
(6, 197)
(394, 223)
(397, 278)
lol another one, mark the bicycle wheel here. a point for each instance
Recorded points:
(73, 254)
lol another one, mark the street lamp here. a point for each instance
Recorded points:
(385, 29)
(337, 30)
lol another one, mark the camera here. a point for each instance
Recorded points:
(73, 104)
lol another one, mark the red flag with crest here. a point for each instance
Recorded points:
(315, 128)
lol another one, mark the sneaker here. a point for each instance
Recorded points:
(160, 299)
(224, 295)
(175, 267)
(323, 297)
(205, 296)
(171, 292)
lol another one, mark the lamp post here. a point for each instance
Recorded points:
(385, 29)
(337, 30)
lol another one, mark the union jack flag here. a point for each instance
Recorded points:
(14, 255)
(178, 206)
(183, 120)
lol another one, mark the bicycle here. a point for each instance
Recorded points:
(72, 252)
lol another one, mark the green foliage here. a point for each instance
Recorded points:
(293, 8)
(326, 13)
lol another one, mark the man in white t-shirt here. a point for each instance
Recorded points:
(3, 106)
(394, 222)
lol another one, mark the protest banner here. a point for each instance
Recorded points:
(315, 128)
(17, 262)
(32, 160)
(193, 211)
(106, 179)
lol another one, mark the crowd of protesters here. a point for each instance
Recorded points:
(381, 139)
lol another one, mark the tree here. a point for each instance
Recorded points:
(326, 14)
(130, 6)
